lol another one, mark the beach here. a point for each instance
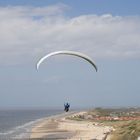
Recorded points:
(59, 127)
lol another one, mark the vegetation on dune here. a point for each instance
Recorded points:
(129, 130)
(76, 117)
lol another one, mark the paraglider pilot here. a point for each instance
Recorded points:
(66, 107)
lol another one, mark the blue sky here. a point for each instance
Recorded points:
(78, 7)
(108, 31)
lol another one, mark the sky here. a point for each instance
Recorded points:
(108, 31)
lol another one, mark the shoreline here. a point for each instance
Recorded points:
(36, 131)
(59, 127)
(23, 131)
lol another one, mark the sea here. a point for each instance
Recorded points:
(16, 124)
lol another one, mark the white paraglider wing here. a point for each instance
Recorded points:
(87, 58)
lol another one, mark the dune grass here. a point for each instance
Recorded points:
(129, 130)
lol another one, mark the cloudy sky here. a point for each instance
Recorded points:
(108, 31)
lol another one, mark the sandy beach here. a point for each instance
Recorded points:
(58, 127)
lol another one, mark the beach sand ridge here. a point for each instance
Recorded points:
(61, 128)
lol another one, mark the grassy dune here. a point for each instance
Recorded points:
(129, 130)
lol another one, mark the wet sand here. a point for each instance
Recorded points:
(59, 128)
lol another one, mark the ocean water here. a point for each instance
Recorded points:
(17, 124)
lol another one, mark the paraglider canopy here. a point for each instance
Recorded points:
(73, 53)
(78, 54)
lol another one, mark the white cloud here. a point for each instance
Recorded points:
(30, 32)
